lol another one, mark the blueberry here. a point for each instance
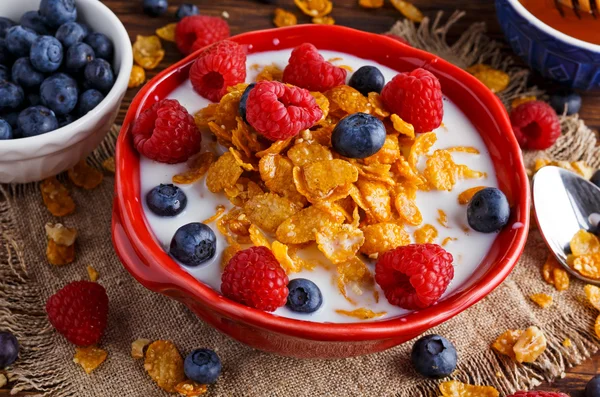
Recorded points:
(5, 24)
(65, 120)
(186, 10)
(11, 95)
(19, 40)
(89, 100)
(37, 120)
(34, 21)
(46, 54)
(78, 56)
(592, 389)
(596, 178)
(155, 8)
(102, 46)
(193, 244)
(57, 12)
(24, 74)
(99, 75)
(5, 130)
(304, 296)
(11, 118)
(59, 92)
(166, 200)
(202, 366)
(4, 73)
(434, 356)
(570, 99)
(367, 79)
(5, 55)
(244, 100)
(70, 33)
(488, 211)
(358, 136)
(9, 349)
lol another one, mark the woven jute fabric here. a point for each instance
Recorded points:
(45, 364)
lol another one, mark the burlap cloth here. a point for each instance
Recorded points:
(45, 364)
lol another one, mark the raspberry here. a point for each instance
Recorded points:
(254, 278)
(414, 276)
(79, 312)
(537, 394)
(278, 111)
(197, 31)
(417, 98)
(308, 69)
(535, 125)
(166, 132)
(219, 66)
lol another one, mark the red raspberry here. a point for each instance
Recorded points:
(166, 132)
(254, 278)
(535, 125)
(278, 111)
(79, 312)
(414, 276)
(197, 31)
(538, 394)
(308, 69)
(417, 98)
(219, 66)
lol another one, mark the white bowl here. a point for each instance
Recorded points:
(35, 158)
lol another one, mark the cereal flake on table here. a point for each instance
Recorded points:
(89, 357)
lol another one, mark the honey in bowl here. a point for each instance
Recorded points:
(586, 28)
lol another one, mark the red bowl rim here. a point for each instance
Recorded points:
(129, 212)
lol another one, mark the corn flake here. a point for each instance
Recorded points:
(402, 126)
(370, 3)
(137, 77)
(284, 18)
(377, 198)
(353, 271)
(347, 99)
(382, 237)
(408, 10)
(223, 173)
(275, 148)
(109, 164)
(404, 170)
(442, 172)
(167, 32)
(85, 176)
(426, 234)
(593, 295)
(228, 253)
(321, 178)
(219, 211)
(388, 154)
(455, 388)
(442, 218)
(495, 80)
(327, 20)
(164, 365)
(314, 8)
(468, 194)
(92, 273)
(405, 204)
(584, 243)
(588, 265)
(60, 234)
(339, 243)
(567, 343)
(258, 238)
(521, 100)
(148, 51)
(89, 357)
(377, 107)
(530, 345)
(504, 343)
(448, 240)
(361, 314)
(268, 211)
(280, 251)
(138, 347)
(60, 255)
(277, 173)
(198, 166)
(542, 300)
(421, 147)
(308, 152)
(302, 226)
(205, 115)
(189, 388)
(270, 73)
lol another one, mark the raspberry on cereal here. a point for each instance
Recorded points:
(536, 125)
(417, 98)
(166, 132)
(308, 69)
(278, 111)
(219, 66)
(197, 31)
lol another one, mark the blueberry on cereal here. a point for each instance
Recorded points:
(367, 79)
(166, 200)
(434, 356)
(194, 244)
(244, 101)
(358, 135)
(304, 296)
(488, 211)
(202, 366)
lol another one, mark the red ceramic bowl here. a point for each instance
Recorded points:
(144, 258)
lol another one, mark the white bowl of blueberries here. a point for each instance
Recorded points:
(64, 69)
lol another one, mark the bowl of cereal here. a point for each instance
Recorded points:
(330, 219)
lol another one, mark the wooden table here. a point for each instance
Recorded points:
(247, 15)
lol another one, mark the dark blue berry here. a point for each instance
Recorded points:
(102, 46)
(24, 74)
(37, 120)
(5, 24)
(19, 40)
(88, 100)
(5, 130)
(70, 33)
(186, 10)
(358, 136)
(367, 79)
(33, 99)
(9, 349)
(5, 55)
(592, 389)
(46, 54)
(244, 101)
(11, 118)
(570, 99)
(4, 73)
(166, 200)
(434, 356)
(596, 178)
(193, 244)
(202, 366)
(11, 96)
(304, 296)
(59, 92)
(99, 75)
(57, 12)
(34, 21)
(155, 8)
(488, 211)
(78, 56)
(65, 120)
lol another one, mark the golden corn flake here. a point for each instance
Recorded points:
(308, 152)
(448, 240)
(228, 253)
(561, 279)
(408, 10)
(353, 271)
(579, 167)
(198, 166)
(377, 107)
(521, 100)
(109, 164)
(284, 18)
(402, 126)
(242, 161)
(258, 238)
(60, 234)
(164, 365)
(148, 51)
(270, 73)
(370, 3)
(421, 147)
(404, 170)
(167, 32)
(223, 173)
(92, 273)
(442, 218)
(138, 347)
(593, 295)
(530, 345)
(347, 99)
(548, 268)
(376, 172)
(442, 172)
(468, 194)
(89, 357)
(219, 211)
(361, 314)
(584, 243)
(377, 197)
(405, 204)
(189, 388)
(85, 176)
(280, 251)
(382, 237)
(542, 300)
(339, 243)
(227, 112)
(322, 177)
(504, 343)
(463, 149)
(495, 80)
(268, 211)
(588, 265)
(205, 115)
(314, 8)
(302, 226)
(327, 20)
(426, 234)
(277, 173)
(59, 255)
(137, 77)
(322, 102)
(388, 154)
(567, 343)
(455, 388)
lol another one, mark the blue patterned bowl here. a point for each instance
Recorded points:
(555, 55)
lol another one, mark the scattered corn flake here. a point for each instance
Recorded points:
(442, 172)
(579, 167)
(3, 380)
(339, 243)
(356, 272)
(505, 342)
(267, 211)
(228, 253)
(189, 388)
(164, 365)
(404, 170)
(219, 211)
(548, 267)
(426, 234)
(280, 251)
(327, 20)
(148, 51)
(405, 204)
(421, 147)
(468, 194)
(205, 115)
(275, 148)
(60, 255)
(167, 32)
(277, 173)
(308, 152)
(370, 3)
(597, 326)
(494, 79)
(388, 154)
(584, 243)
(242, 162)
(382, 237)
(588, 265)
(463, 149)
(593, 295)
(137, 77)
(454, 388)
(321, 178)
(109, 164)
(361, 313)
(56, 197)
(284, 18)
(561, 279)
(408, 10)
(377, 198)
(138, 346)
(521, 100)
(314, 8)
(442, 218)
(89, 357)
(85, 176)
(377, 173)
(542, 300)
(347, 99)
(270, 73)
(197, 167)
(227, 112)
(258, 238)
(92, 273)
(530, 345)
(322, 102)
(402, 126)
(61, 234)
(567, 343)
(301, 227)
(377, 107)
(223, 173)
(448, 240)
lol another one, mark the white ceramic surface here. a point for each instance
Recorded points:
(35, 158)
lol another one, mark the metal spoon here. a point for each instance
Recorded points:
(564, 203)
